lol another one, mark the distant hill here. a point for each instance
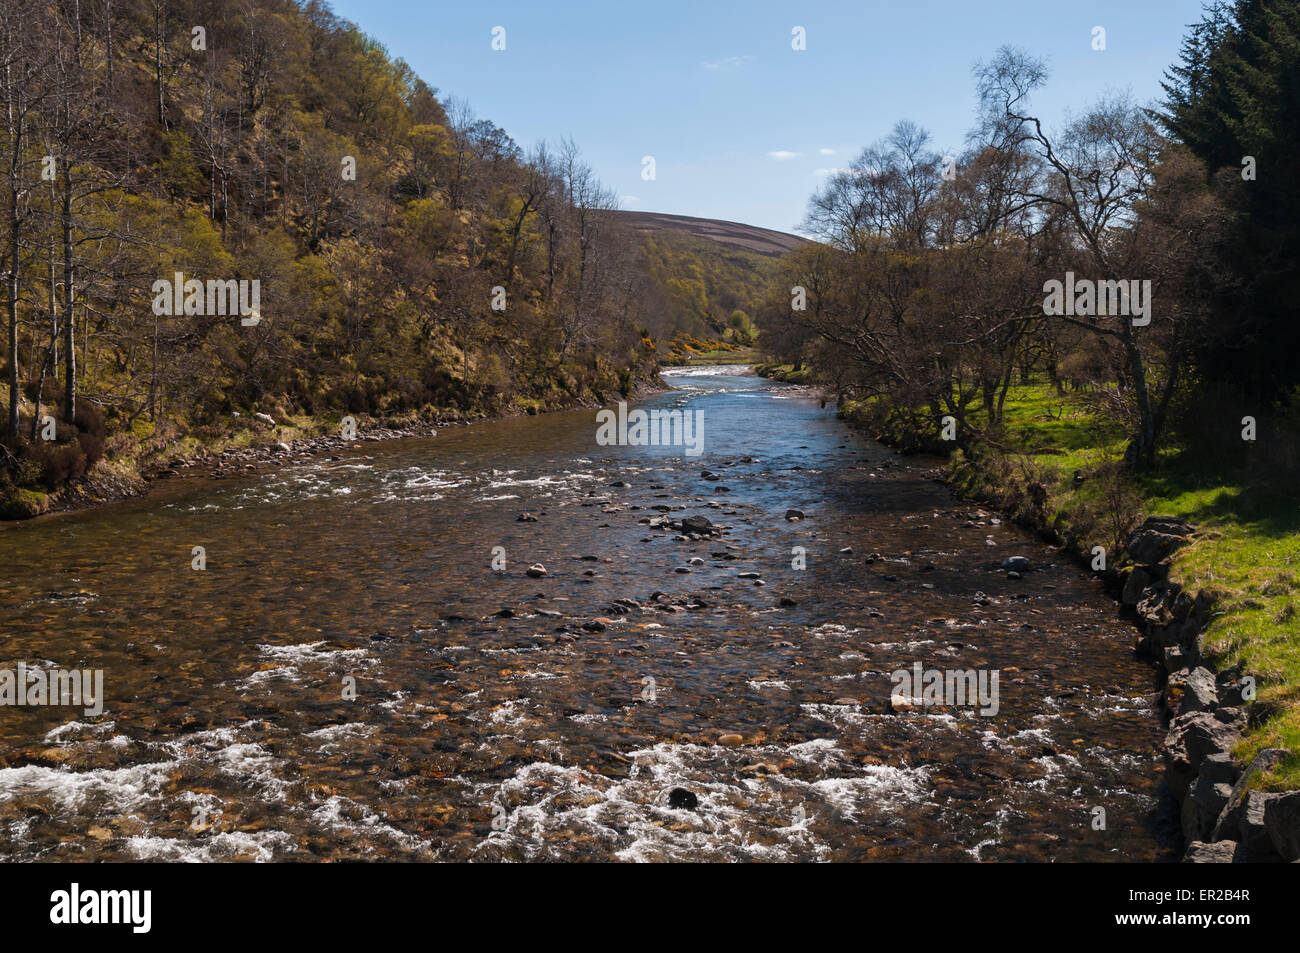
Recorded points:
(764, 241)
(705, 279)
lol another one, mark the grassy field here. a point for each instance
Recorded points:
(784, 372)
(1248, 555)
(740, 355)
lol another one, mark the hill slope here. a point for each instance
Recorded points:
(764, 241)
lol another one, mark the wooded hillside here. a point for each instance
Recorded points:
(409, 257)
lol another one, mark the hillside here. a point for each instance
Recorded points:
(704, 280)
(276, 217)
(764, 241)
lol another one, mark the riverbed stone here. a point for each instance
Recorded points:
(699, 525)
(682, 799)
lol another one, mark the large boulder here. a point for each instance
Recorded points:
(1190, 691)
(1252, 827)
(1205, 800)
(1192, 738)
(1156, 539)
(1282, 821)
(1208, 733)
(1230, 820)
(1137, 581)
(1156, 605)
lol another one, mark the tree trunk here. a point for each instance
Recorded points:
(1140, 454)
(69, 318)
(15, 118)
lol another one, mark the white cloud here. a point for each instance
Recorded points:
(629, 199)
(856, 173)
(782, 154)
(727, 63)
(827, 152)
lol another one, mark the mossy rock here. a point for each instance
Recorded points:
(23, 504)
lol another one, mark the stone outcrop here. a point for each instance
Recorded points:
(1208, 711)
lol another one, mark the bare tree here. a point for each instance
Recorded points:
(1098, 170)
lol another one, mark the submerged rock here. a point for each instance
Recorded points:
(682, 800)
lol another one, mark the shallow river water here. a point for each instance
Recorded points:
(499, 716)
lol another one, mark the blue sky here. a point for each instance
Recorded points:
(743, 127)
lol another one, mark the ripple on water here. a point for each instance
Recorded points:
(554, 811)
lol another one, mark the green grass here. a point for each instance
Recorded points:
(784, 372)
(744, 355)
(1252, 561)
(1248, 557)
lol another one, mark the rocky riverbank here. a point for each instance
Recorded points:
(1223, 821)
(1207, 711)
(267, 448)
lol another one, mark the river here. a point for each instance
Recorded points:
(350, 677)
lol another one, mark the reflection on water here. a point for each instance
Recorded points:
(503, 716)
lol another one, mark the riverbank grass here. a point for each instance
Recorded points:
(785, 372)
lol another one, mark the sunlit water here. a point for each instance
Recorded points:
(483, 736)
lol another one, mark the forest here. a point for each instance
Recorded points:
(930, 292)
(409, 258)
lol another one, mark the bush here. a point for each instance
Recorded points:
(59, 462)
